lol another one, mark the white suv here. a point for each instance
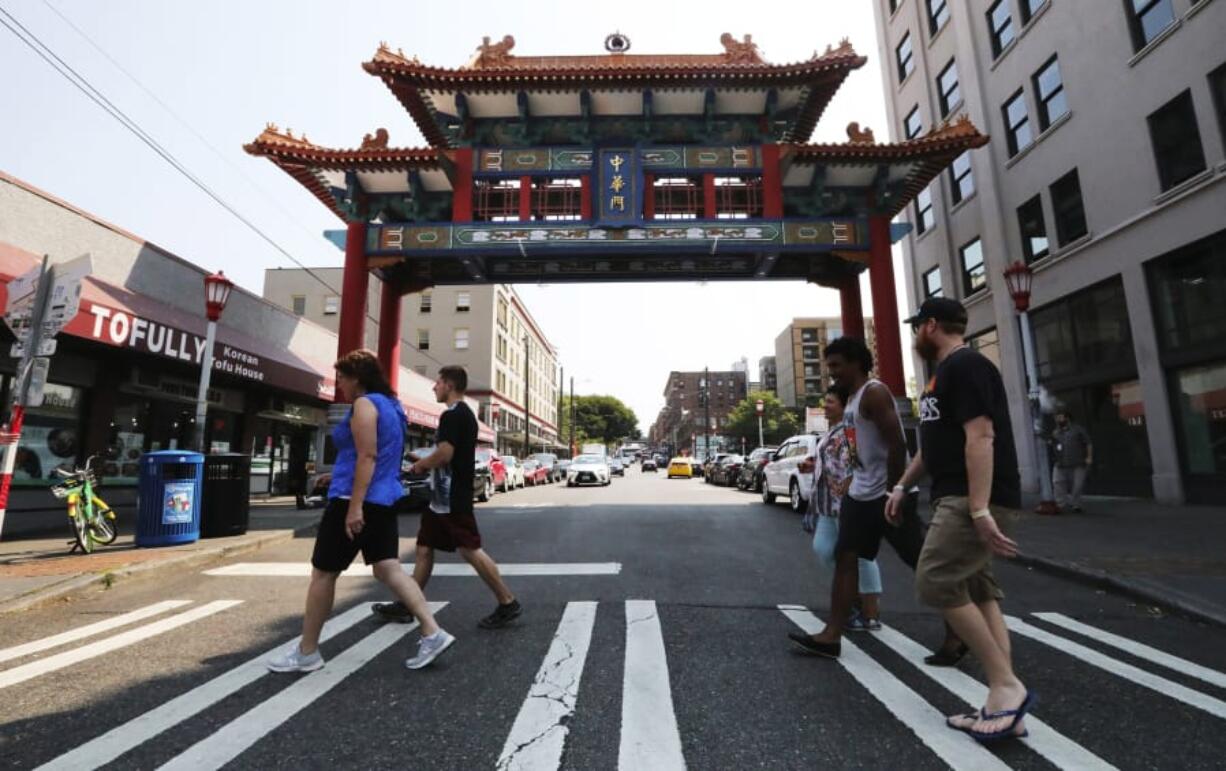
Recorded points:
(790, 471)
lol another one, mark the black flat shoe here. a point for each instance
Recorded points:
(947, 658)
(811, 646)
(392, 611)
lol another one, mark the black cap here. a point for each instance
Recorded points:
(941, 309)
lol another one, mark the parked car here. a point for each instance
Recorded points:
(493, 462)
(534, 473)
(680, 467)
(725, 472)
(649, 464)
(708, 465)
(750, 477)
(550, 462)
(515, 473)
(790, 471)
(588, 469)
(617, 466)
(564, 467)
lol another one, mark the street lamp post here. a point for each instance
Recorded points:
(527, 397)
(761, 406)
(495, 414)
(216, 293)
(1018, 277)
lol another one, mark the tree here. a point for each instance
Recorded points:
(603, 419)
(778, 422)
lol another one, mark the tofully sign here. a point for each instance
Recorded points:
(148, 336)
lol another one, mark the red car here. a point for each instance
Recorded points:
(498, 469)
(535, 473)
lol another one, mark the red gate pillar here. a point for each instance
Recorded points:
(389, 332)
(885, 305)
(851, 308)
(353, 291)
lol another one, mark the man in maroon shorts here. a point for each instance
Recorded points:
(449, 523)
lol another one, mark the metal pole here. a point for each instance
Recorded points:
(527, 399)
(557, 420)
(761, 441)
(206, 374)
(1047, 503)
(572, 415)
(706, 406)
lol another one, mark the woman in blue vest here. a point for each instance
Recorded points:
(360, 515)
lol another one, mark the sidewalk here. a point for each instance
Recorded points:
(39, 569)
(1169, 556)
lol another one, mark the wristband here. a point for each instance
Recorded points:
(980, 514)
(899, 488)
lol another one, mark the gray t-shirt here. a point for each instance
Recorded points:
(1072, 446)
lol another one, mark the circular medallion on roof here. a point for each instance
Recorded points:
(617, 43)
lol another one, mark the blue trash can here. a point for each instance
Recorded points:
(168, 498)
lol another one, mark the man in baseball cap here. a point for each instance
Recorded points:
(941, 309)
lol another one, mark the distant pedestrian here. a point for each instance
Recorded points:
(967, 448)
(449, 523)
(831, 478)
(1074, 455)
(359, 516)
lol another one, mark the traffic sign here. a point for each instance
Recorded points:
(63, 301)
(46, 347)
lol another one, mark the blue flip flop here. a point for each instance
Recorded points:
(976, 716)
(1006, 732)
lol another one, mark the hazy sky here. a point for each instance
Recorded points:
(225, 68)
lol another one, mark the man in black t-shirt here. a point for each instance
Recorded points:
(966, 445)
(449, 523)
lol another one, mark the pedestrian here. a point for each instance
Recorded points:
(448, 523)
(831, 478)
(966, 443)
(359, 516)
(1074, 456)
(878, 456)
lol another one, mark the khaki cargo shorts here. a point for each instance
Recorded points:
(955, 566)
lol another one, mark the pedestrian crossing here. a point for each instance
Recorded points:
(562, 703)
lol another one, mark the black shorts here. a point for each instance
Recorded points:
(379, 539)
(448, 532)
(862, 525)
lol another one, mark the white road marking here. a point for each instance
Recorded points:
(445, 569)
(80, 633)
(539, 734)
(1043, 739)
(1127, 671)
(908, 707)
(1140, 650)
(649, 737)
(140, 729)
(235, 737)
(123, 639)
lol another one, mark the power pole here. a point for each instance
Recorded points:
(572, 415)
(557, 420)
(527, 398)
(706, 408)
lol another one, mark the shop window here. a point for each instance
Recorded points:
(1000, 26)
(738, 198)
(496, 200)
(423, 339)
(1112, 411)
(1049, 92)
(677, 198)
(924, 217)
(974, 272)
(557, 199)
(1067, 206)
(938, 15)
(912, 126)
(461, 339)
(1033, 229)
(961, 180)
(1017, 123)
(947, 85)
(298, 304)
(463, 302)
(1176, 140)
(904, 57)
(1147, 19)
(1029, 8)
(51, 437)
(427, 302)
(332, 305)
(1187, 288)
(932, 283)
(1199, 394)
(988, 344)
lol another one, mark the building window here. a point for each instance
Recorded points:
(808, 335)
(463, 302)
(1176, 140)
(809, 352)
(974, 272)
(1033, 228)
(1029, 8)
(932, 283)
(988, 344)
(962, 182)
(461, 339)
(1217, 85)
(1084, 330)
(938, 14)
(557, 199)
(1017, 123)
(905, 57)
(924, 218)
(677, 198)
(332, 305)
(502, 312)
(1068, 209)
(893, 5)
(1049, 89)
(1147, 19)
(912, 126)
(298, 304)
(419, 369)
(426, 302)
(947, 84)
(738, 198)
(1188, 287)
(1000, 26)
(496, 200)
(423, 339)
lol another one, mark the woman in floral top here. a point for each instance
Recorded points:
(832, 477)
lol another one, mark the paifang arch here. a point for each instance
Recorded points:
(618, 167)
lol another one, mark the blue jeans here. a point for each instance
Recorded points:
(824, 539)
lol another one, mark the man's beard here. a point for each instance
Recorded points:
(926, 348)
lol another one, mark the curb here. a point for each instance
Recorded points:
(143, 569)
(1138, 589)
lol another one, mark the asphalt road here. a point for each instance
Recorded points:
(671, 653)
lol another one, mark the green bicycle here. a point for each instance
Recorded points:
(93, 521)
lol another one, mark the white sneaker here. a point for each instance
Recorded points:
(294, 660)
(429, 648)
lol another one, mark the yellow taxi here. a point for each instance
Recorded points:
(680, 467)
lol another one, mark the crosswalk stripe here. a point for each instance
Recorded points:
(123, 639)
(447, 569)
(1127, 671)
(907, 706)
(140, 729)
(649, 736)
(235, 737)
(89, 630)
(539, 734)
(1140, 650)
(1043, 739)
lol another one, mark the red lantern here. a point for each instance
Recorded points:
(1018, 277)
(216, 293)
